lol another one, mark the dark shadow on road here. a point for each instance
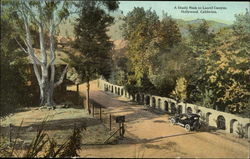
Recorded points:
(160, 121)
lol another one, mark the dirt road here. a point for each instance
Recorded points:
(150, 134)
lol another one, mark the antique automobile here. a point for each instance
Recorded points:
(188, 121)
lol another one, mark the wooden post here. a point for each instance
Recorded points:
(78, 95)
(93, 109)
(10, 133)
(120, 133)
(122, 129)
(83, 103)
(100, 113)
(110, 122)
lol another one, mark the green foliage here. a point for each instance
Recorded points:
(92, 42)
(169, 32)
(180, 91)
(169, 66)
(224, 70)
(13, 70)
(215, 64)
(201, 38)
(139, 29)
(44, 146)
(242, 25)
(241, 132)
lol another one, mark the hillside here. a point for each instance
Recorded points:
(213, 25)
(115, 32)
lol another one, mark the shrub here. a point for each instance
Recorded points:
(241, 132)
(44, 146)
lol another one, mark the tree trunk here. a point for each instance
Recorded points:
(46, 94)
(46, 88)
(87, 96)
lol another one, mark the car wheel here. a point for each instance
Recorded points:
(187, 127)
(197, 126)
(172, 121)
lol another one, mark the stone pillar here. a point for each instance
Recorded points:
(227, 124)
(151, 101)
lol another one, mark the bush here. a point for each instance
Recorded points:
(44, 146)
(241, 132)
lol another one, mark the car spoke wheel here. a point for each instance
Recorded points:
(187, 127)
(172, 121)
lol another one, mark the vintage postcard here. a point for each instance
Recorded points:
(125, 79)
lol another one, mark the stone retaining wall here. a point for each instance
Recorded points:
(212, 117)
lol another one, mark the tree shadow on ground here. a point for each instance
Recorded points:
(136, 140)
(138, 114)
(60, 124)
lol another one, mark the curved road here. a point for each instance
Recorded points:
(149, 134)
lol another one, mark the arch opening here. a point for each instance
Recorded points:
(166, 106)
(189, 110)
(153, 102)
(173, 108)
(179, 109)
(138, 98)
(221, 122)
(118, 91)
(232, 125)
(147, 100)
(199, 112)
(122, 92)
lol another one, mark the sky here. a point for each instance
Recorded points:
(225, 11)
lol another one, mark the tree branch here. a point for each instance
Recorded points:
(61, 78)
(21, 46)
(41, 38)
(52, 42)
(29, 47)
(28, 41)
(61, 18)
(31, 14)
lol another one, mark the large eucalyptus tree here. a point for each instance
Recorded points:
(46, 16)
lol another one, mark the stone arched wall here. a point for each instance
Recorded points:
(210, 115)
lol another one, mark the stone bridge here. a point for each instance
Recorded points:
(221, 120)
